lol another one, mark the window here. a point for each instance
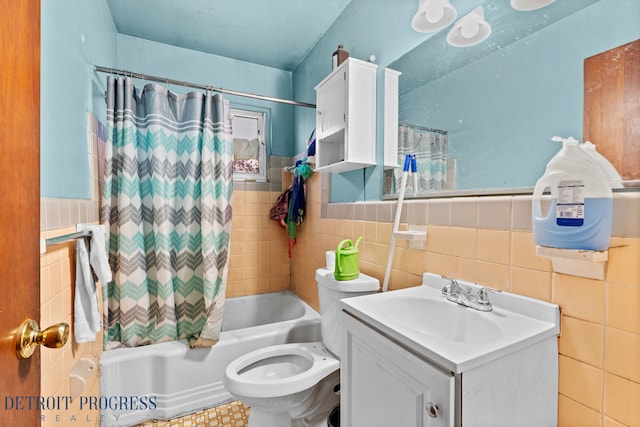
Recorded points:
(249, 153)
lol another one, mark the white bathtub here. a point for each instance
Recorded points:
(170, 379)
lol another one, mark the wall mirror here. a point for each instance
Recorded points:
(484, 115)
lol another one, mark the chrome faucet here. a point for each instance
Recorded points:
(458, 294)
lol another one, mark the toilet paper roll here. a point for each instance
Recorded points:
(331, 260)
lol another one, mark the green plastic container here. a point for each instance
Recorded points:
(347, 263)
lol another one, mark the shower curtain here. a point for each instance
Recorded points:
(430, 148)
(166, 201)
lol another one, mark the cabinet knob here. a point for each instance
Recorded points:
(432, 409)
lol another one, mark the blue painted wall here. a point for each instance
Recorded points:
(77, 34)
(74, 35)
(502, 110)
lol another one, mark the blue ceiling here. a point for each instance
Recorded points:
(274, 33)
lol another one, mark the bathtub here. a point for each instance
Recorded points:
(169, 379)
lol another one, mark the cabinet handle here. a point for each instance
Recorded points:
(432, 409)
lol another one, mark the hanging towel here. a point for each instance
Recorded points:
(86, 314)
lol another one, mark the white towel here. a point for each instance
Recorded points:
(86, 313)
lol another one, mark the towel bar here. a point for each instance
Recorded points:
(61, 239)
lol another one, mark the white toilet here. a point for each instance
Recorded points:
(295, 384)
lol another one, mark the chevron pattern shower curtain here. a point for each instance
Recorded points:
(430, 148)
(166, 201)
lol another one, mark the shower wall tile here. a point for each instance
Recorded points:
(259, 261)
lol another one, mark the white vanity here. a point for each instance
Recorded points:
(414, 358)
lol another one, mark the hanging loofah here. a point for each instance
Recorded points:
(304, 169)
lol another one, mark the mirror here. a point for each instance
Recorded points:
(499, 103)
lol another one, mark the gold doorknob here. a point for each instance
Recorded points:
(29, 336)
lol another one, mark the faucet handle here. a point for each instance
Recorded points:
(446, 289)
(483, 296)
(451, 287)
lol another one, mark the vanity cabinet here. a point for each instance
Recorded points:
(385, 382)
(346, 118)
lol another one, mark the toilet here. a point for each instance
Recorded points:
(297, 384)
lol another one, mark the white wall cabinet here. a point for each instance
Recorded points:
(346, 118)
(384, 384)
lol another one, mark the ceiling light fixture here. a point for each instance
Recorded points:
(527, 5)
(433, 15)
(470, 30)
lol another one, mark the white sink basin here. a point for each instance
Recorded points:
(455, 337)
(429, 316)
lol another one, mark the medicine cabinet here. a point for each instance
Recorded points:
(346, 118)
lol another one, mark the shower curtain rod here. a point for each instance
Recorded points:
(443, 132)
(199, 86)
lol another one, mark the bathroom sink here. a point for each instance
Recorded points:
(431, 317)
(455, 337)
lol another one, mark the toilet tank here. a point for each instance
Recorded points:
(330, 292)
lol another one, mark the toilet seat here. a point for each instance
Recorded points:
(280, 370)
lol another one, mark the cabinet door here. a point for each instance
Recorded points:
(384, 385)
(331, 99)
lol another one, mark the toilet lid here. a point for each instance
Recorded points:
(279, 370)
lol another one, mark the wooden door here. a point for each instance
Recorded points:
(20, 204)
(612, 107)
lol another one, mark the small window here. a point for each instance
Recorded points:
(249, 153)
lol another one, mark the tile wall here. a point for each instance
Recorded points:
(259, 260)
(488, 240)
